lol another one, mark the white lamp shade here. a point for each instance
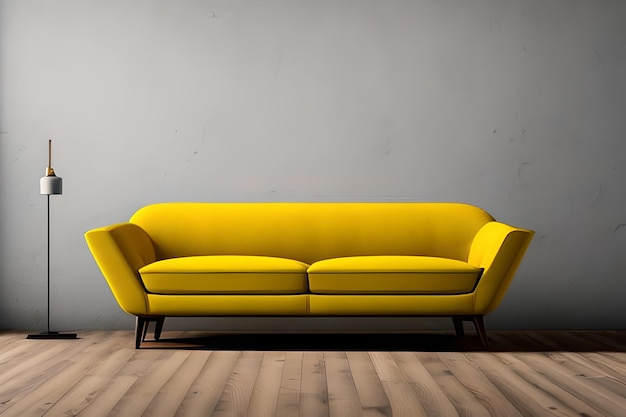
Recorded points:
(51, 185)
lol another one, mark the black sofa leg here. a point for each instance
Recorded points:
(458, 326)
(141, 328)
(479, 323)
(158, 328)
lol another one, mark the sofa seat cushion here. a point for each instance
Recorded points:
(225, 274)
(392, 275)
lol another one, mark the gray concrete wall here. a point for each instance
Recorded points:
(517, 106)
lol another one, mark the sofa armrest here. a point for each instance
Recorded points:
(120, 250)
(499, 249)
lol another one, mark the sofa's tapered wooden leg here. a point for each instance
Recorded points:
(141, 327)
(458, 326)
(158, 328)
(479, 322)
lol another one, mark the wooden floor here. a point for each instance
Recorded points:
(196, 374)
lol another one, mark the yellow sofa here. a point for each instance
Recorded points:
(308, 259)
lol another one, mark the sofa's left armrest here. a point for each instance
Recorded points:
(499, 249)
(120, 250)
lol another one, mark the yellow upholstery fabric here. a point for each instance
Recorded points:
(225, 274)
(390, 305)
(228, 305)
(499, 249)
(311, 232)
(120, 250)
(392, 275)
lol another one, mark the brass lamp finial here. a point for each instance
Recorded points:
(49, 169)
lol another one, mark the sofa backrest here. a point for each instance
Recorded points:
(311, 231)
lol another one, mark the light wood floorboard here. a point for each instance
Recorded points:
(524, 373)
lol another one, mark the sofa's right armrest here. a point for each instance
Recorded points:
(120, 250)
(498, 248)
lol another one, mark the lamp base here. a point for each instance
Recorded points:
(52, 335)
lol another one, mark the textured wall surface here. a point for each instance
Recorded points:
(516, 106)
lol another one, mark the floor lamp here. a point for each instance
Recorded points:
(49, 185)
